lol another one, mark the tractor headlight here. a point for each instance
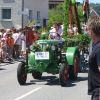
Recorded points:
(31, 47)
(27, 50)
(58, 57)
(53, 48)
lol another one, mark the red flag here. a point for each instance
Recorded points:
(86, 7)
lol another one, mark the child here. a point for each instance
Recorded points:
(3, 49)
(10, 45)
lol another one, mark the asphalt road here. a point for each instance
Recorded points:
(48, 88)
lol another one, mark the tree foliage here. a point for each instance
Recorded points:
(60, 14)
(65, 21)
(56, 15)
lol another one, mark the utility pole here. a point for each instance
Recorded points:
(22, 14)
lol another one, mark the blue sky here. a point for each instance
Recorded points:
(91, 1)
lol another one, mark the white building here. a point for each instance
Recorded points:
(11, 12)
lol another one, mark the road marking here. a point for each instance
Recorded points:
(25, 95)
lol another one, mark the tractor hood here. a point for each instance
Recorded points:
(54, 42)
(37, 61)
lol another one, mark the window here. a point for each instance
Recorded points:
(30, 14)
(51, 6)
(8, 1)
(38, 16)
(6, 13)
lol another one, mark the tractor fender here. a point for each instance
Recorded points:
(70, 55)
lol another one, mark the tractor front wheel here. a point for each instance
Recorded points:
(63, 75)
(21, 74)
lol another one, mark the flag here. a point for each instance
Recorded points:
(86, 8)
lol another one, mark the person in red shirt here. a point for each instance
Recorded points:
(30, 36)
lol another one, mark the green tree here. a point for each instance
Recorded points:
(60, 14)
(80, 13)
(56, 15)
(66, 6)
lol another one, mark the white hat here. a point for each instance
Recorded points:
(7, 30)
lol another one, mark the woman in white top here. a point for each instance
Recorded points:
(56, 32)
(23, 49)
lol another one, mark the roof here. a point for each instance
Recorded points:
(93, 13)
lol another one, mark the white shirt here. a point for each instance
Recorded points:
(15, 36)
(19, 40)
(4, 35)
(56, 35)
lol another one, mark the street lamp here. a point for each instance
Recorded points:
(22, 14)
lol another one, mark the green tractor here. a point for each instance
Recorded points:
(49, 56)
(52, 56)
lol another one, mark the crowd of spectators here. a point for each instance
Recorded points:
(56, 31)
(13, 42)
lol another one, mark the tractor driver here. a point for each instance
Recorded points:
(56, 32)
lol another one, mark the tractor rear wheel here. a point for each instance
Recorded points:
(73, 69)
(21, 74)
(36, 75)
(63, 75)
